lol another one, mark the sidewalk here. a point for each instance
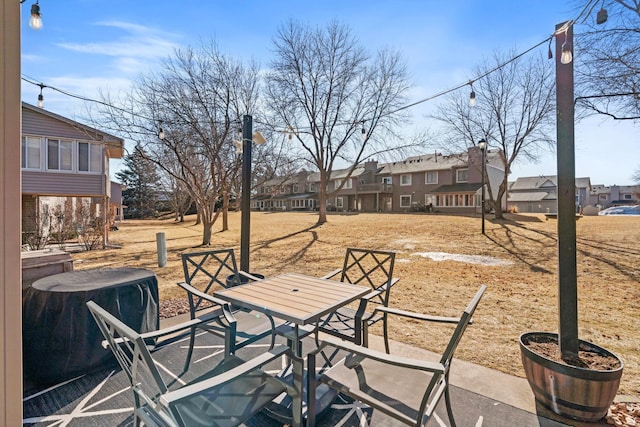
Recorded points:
(513, 392)
(493, 384)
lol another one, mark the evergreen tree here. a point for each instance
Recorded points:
(141, 179)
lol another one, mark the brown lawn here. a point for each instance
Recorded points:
(522, 294)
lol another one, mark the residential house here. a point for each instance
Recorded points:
(63, 160)
(115, 202)
(540, 193)
(292, 193)
(615, 195)
(446, 183)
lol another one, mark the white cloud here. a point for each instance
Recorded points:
(136, 41)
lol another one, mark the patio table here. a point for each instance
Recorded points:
(301, 300)
(60, 338)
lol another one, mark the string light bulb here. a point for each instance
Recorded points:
(602, 15)
(472, 96)
(566, 57)
(160, 130)
(35, 21)
(40, 97)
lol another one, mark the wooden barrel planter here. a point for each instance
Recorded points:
(574, 392)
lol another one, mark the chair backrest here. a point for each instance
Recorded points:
(132, 354)
(207, 269)
(369, 267)
(466, 317)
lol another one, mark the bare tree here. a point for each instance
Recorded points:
(197, 97)
(608, 56)
(514, 112)
(325, 88)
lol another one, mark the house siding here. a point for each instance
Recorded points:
(539, 194)
(62, 184)
(42, 125)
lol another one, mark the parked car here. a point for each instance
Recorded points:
(621, 210)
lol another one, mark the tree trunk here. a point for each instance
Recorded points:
(206, 232)
(322, 209)
(502, 190)
(225, 211)
(199, 215)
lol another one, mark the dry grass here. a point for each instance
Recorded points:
(521, 296)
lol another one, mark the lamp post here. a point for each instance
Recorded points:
(567, 268)
(245, 227)
(482, 144)
(248, 138)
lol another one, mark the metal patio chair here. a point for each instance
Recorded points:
(368, 268)
(404, 388)
(227, 395)
(204, 272)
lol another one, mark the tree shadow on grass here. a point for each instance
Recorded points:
(298, 255)
(521, 254)
(602, 251)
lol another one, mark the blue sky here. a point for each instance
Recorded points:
(89, 45)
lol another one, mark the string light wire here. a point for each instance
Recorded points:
(589, 6)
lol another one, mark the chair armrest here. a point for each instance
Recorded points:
(330, 275)
(367, 353)
(224, 310)
(232, 374)
(418, 316)
(180, 326)
(190, 289)
(249, 275)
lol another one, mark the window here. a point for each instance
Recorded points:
(602, 197)
(338, 183)
(30, 152)
(627, 197)
(431, 178)
(311, 187)
(386, 180)
(405, 179)
(339, 202)
(89, 157)
(59, 154)
(295, 188)
(462, 175)
(405, 201)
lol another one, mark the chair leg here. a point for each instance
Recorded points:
(311, 390)
(385, 333)
(447, 401)
(192, 341)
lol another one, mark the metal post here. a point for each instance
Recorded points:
(567, 271)
(484, 151)
(161, 246)
(482, 144)
(245, 227)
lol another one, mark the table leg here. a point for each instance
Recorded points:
(317, 400)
